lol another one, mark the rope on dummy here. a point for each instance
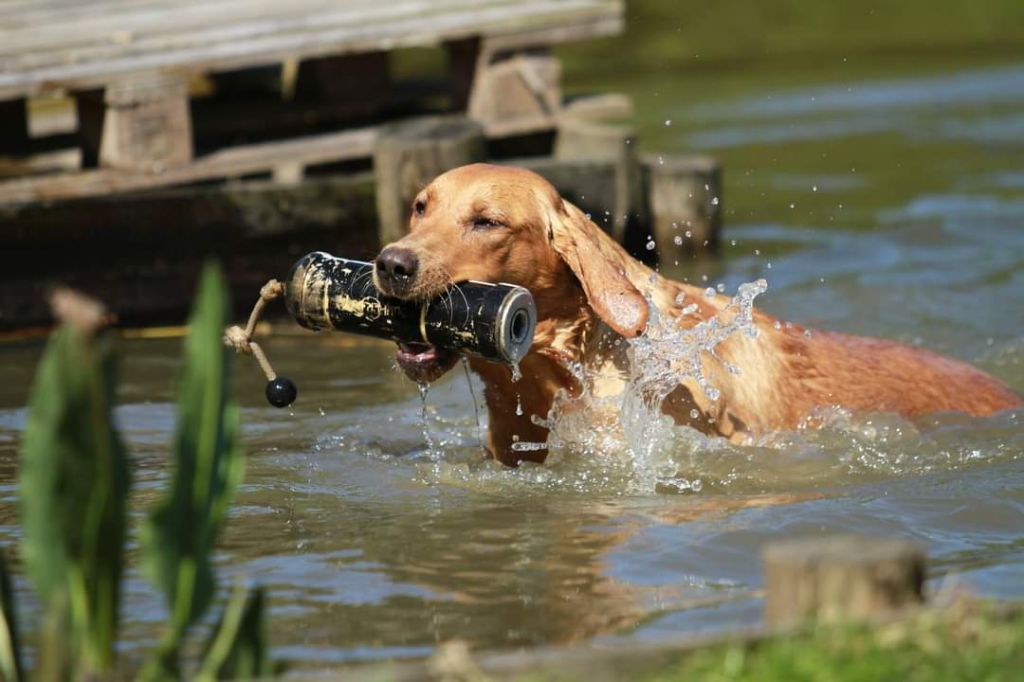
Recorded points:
(281, 391)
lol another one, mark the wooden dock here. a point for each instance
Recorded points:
(277, 68)
(139, 137)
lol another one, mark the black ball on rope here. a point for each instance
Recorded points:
(281, 392)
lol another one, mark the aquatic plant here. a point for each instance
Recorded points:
(73, 490)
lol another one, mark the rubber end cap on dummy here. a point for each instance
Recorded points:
(281, 392)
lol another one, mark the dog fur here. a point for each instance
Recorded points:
(505, 224)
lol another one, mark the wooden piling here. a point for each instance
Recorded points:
(686, 204)
(581, 139)
(408, 155)
(845, 577)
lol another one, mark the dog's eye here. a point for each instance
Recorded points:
(484, 223)
(420, 206)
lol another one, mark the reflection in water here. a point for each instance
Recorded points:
(902, 222)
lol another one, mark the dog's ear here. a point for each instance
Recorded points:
(601, 267)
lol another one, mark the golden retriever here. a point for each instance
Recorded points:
(505, 224)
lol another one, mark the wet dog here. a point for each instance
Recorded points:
(504, 224)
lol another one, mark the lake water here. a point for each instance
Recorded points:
(875, 198)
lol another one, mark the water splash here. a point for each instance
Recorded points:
(628, 427)
(476, 405)
(432, 450)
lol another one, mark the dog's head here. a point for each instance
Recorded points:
(503, 224)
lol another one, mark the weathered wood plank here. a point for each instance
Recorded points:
(234, 162)
(210, 36)
(311, 150)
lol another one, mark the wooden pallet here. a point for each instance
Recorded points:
(128, 65)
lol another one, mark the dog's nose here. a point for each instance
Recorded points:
(397, 265)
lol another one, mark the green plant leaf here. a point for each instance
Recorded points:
(179, 535)
(238, 649)
(73, 488)
(10, 653)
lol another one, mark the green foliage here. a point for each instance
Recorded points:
(74, 489)
(238, 650)
(932, 647)
(178, 538)
(10, 656)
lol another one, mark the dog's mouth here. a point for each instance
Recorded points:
(423, 362)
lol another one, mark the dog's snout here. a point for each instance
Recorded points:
(396, 267)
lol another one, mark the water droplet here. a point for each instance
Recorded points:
(519, 405)
(668, 122)
(714, 201)
(814, 188)
(710, 292)
(689, 234)
(677, 240)
(777, 325)
(721, 287)
(694, 414)
(650, 245)
(516, 374)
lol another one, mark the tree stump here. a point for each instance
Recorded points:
(686, 204)
(845, 577)
(579, 139)
(408, 155)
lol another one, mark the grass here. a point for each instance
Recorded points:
(931, 647)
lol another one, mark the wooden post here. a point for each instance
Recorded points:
(840, 578)
(13, 126)
(686, 204)
(147, 125)
(579, 139)
(511, 92)
(408, 155)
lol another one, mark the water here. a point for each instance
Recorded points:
(888, 202)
